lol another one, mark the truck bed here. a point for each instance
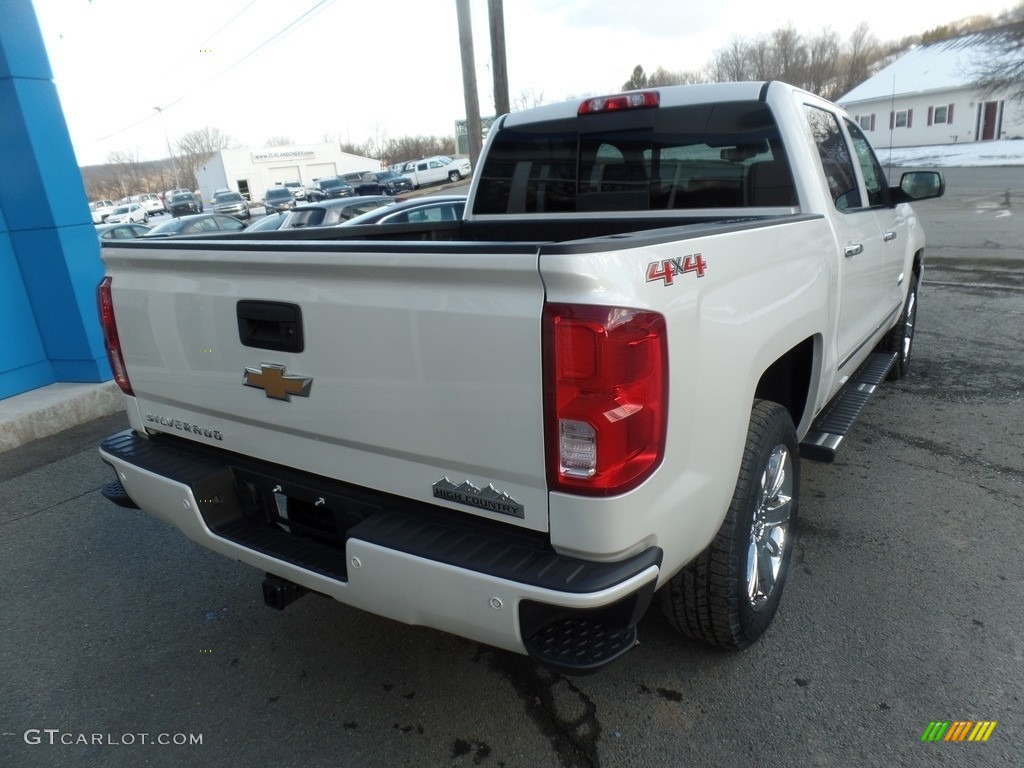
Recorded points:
(509, 233)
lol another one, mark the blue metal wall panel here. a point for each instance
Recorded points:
(49, 254)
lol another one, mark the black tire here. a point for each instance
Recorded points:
(454, 177)
(900, 338)
(729, 594)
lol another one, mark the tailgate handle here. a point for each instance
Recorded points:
(270, 325)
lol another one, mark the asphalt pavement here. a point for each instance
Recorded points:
(124, 644)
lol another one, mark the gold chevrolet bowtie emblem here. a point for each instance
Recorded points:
(276, 383)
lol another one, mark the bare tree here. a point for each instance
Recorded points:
(126, 164)
(415, 147)
(527, 99)
(731, 63)
(279, 141)
(790, 55)
(1001, 68)
(196, 147)
(377, 145)
(858, 62)
(822, 64)
(761, 60)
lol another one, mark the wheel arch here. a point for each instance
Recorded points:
(787, 381)
(918, 263)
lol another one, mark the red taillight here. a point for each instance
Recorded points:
(110, 339)
(633, 100)
(606, 397)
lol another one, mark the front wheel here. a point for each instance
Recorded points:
(729, 594)
(454, 177)
(900, 338)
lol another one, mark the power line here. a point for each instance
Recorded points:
(220, 29)
(277, 36)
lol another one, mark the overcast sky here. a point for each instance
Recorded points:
(306, 68)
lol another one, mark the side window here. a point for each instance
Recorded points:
(835, 158)
(874, 176)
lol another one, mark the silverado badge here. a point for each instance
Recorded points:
(272, 379)
(490, 498)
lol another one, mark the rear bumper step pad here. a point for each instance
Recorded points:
(398, 524)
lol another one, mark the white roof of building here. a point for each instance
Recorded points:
(940, 66)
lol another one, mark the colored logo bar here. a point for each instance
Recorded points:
(958, 730)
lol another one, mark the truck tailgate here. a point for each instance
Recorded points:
(419, 372)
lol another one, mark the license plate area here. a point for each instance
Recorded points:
(301, 509)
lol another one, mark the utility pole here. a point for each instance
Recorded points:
(469, 82)
(499, 63)
(167, 140)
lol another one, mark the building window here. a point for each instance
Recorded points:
(940, 115)
(866, 122)
(902, 119)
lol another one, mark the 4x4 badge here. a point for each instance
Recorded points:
(272, 379)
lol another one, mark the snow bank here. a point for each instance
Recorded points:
(979, 153)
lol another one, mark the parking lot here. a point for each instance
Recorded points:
(124, 644)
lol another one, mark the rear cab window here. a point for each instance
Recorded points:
(721, 155)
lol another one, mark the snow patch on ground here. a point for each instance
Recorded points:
(975, 154)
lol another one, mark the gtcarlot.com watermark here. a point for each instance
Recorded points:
(56, 737)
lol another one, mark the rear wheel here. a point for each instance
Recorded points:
(729, 594)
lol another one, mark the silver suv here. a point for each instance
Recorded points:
(231, 203)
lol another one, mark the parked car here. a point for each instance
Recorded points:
(100, 209)
(420, 210)
(268, 222)
(120, 231)
(231, 203)
(297, 189)
(364, 182)
(328, 188)
(196, 196)
(129, 213)
(278, 199)
(172, 192)
(183, 203)
(436, 170)
(327, 213)
(195, 224)
(392, 183)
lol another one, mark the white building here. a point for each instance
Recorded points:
(925, 97)
(252, 171)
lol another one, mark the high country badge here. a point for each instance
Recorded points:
(489, 498)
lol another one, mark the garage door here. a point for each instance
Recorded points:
(318, 171)
(281, 175)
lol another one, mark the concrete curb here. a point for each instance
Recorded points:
(54, 408)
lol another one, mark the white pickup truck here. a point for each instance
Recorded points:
(520, 426)
(436, 170)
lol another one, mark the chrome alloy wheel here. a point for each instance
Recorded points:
(770, 527)
(909, 318)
